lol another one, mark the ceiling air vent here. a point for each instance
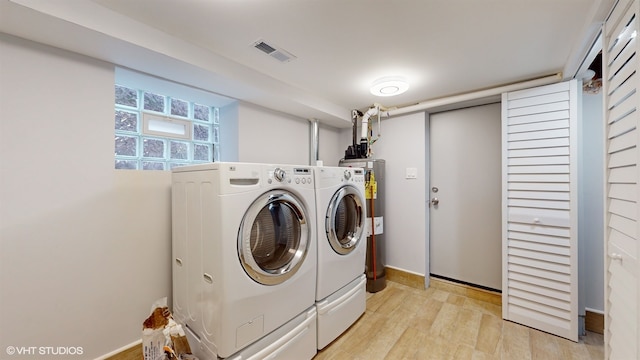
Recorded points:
(266, 48)
(273, 51)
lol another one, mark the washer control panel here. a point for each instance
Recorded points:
(301, 176)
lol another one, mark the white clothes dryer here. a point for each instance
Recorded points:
(244, 251)
(341, 283)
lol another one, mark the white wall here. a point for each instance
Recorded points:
(79, 236)
(251, 133)
(229, 132)
(331, 146)
(86, 249)
(402, 145)
(266, 136)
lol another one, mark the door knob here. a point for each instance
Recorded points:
(435, 201)
(615, 256)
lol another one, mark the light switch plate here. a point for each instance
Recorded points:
(411, 173)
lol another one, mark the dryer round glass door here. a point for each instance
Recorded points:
(274, 237)
(345, 220)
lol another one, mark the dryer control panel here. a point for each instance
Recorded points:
(355, 175)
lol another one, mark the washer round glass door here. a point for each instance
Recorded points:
(273, 238)
(345, 220)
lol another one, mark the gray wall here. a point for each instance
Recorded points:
(590, 200)
(402, 145)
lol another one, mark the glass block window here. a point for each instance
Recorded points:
(158, 132)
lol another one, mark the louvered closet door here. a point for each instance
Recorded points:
(539, 263)
(620, 67)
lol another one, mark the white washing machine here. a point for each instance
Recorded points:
(244, 252)
(341, 283)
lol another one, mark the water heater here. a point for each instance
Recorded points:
(374, 195)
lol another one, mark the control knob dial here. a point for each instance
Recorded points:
(279, 174)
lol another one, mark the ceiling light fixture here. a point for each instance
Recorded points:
(389, 86)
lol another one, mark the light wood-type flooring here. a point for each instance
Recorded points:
(402, 322)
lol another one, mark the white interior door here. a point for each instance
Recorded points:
(539, 233)
(622, 197)
(465, 173)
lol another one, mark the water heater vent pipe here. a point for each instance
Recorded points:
(364, 133)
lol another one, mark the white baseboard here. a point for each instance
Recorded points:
(118, 351)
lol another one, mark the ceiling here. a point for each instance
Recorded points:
(442, 47)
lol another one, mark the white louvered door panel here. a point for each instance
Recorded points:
(620, 77)
(539, 236)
